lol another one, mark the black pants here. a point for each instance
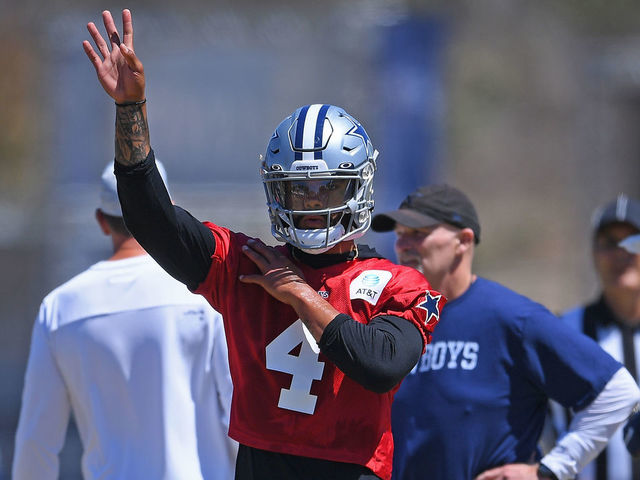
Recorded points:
(255, 464)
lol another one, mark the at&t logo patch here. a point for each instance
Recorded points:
(369, 285)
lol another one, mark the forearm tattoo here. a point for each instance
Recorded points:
(132, 134)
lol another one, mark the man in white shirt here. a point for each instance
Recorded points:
(139, 360)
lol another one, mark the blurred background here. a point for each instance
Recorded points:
(530, 106)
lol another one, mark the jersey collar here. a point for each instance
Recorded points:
(326, 260)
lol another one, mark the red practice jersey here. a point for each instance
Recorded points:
(288, 397)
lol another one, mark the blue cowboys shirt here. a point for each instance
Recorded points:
(478, 397)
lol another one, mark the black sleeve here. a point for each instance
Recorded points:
(176, 240)
(377, 355)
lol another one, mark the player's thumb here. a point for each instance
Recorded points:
(132, 60)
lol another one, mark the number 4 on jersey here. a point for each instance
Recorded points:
(304, 367)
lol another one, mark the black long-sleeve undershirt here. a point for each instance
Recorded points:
(377, 355)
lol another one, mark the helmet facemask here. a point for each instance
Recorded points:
(314, 211)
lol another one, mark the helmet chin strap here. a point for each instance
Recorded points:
(309, 237)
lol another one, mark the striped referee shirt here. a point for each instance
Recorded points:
(622, 342)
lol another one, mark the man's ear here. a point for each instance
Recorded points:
(467, 238)
(104, 226)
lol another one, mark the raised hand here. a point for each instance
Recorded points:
(121, 74)
(119, 70)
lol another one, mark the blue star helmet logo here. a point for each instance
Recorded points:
(274, 142)
(358, 131)
(431, 304)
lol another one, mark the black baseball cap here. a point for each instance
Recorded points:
(621, 210)
(431, 205)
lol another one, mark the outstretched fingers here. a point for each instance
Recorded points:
(110, 27)
(93, 56)
(119, 70)
(98, 40)
(127, 28)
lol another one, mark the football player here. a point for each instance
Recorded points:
(320, 330)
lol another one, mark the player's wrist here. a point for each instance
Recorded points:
(305, 300)
(545, 473)
(314, 311)
(131, 104)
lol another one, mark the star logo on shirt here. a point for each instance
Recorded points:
(431, 304)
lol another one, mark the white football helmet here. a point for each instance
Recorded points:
(318, 178)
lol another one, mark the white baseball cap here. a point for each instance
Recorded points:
(109, 202)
